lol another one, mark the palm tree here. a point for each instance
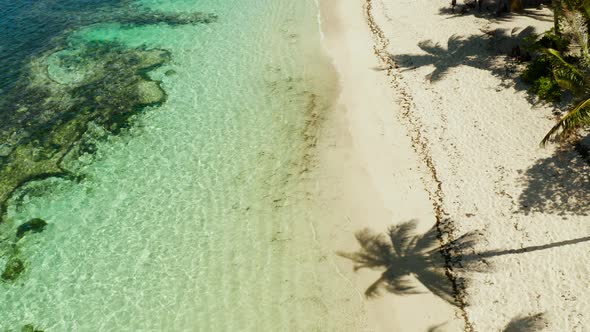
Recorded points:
(404, 257)
(572, 77)
(557, 12)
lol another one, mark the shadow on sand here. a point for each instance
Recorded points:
(559, 185)
(477, 51)
(532, 323)
(491, 9)
(407, 258)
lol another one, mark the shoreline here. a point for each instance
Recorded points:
(432, 125)
(218, 173)
(373, 186)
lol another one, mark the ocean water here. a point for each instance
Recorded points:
(198, 215)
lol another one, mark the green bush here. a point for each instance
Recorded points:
(547, 89)
(539, 74)
(540, 66)
(554, 41)
(548, 40)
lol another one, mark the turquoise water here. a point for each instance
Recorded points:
(200, 215)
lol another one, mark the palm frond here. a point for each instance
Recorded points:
(569, 80)
(577, 30)
(585, 8)
(568, 76)
(561, 61)
(578, 117)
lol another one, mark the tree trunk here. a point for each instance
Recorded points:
(516, 5)
(556, 13)
(503, 7)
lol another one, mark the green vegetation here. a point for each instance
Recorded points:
(562, 64)
(540, 76)
(539, 72)
(571, 67)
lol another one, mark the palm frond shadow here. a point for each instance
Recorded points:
(406, 258)
(489, 9)
(530, 323)
(477, 51)
(436, 328)
(559, 184)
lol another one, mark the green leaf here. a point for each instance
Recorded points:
(579, 116)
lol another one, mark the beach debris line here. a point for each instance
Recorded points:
(444, 226)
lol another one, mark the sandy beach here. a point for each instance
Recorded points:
(433, 126)
(257, 165)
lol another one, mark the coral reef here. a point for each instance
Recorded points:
(59, 96)
(48, 116)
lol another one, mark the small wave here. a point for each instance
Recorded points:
(319, 16)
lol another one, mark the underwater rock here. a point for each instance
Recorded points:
(13, 269)
(34, 225)
(149, 93)
(30, 328)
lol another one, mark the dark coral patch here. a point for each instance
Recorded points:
(150, 17)
(47, 119)
(13, 269)
(34, 225)
(45, 113)
(30, 328)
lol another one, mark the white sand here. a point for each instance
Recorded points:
(458, 144)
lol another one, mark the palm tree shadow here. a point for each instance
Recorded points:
(436, 328)
(407, 258)
(531, 323)
(559, 184)
(477, 51)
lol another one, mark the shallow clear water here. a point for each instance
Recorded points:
(200, 216)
